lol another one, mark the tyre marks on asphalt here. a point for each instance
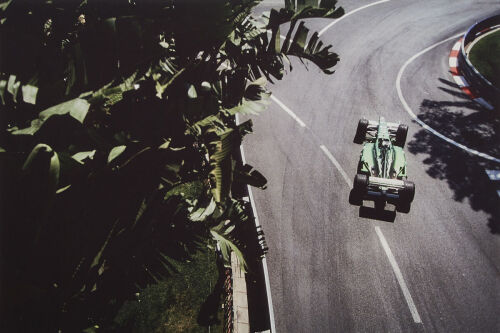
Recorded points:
(323, 148)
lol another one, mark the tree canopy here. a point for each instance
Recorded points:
(118, 147)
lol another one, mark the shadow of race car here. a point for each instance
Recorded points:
(381, 174)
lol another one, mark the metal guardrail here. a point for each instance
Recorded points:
(485, 88)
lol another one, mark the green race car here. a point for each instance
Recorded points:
(381, 174)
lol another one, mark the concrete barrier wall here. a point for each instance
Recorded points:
(485, 88)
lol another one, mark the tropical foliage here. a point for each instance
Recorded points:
(119, 148)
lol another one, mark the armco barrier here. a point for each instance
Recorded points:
(485, 88)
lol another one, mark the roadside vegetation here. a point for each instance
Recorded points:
(485, 56)
(179, 303)
(118, 150)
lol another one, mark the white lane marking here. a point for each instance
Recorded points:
(399, 276)
(420, 122)
(323, 148)
(322, 31)
(287, 110)
(264, 261)
(337, 165)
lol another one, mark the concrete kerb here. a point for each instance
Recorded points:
(241, 323)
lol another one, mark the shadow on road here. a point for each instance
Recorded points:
(381, 214)
(466, 123)
(374, 214)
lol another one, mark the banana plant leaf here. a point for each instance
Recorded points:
(76, 108)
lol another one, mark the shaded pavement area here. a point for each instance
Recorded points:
(465, 122)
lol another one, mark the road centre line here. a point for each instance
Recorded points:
(399, 276)
(322, 31)
(300, 122)
(385, 245)
(420, 122)
(287, 110)
(321, 146)
(329, 155)
(337, 165)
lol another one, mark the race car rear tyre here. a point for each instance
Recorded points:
(355, 198)
(403, 207)
(360, 182)
(401, 134)
(408, 192)
(361, 131)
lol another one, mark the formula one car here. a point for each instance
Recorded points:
(381, 174)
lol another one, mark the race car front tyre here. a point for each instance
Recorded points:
(401, 134)
(361, 131)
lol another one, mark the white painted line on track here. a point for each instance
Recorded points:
(323, 148)
(420, 122)
(287, 110)
(399, 276)
(264, 261)
(322, 31)
(337, 165)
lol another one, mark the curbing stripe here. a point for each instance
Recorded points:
(460, 80)
(453, 62)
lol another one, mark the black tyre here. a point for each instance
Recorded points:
(403, 207)
(408, 191)
(406, 196)
(361, 131)
(355, 198)
(360, 182)
(401, 134)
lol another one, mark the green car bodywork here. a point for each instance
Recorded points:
(382, 158)
(382, 172)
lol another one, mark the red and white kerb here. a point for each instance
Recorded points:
(460, 80)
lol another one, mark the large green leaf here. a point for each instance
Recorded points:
(76, 108)
(255, 100)
(222, 163)
(246, 174)
(201, 213)
(44, 162)
(311, 49)
(227, 246)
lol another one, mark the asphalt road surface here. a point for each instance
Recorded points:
(334, 267)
